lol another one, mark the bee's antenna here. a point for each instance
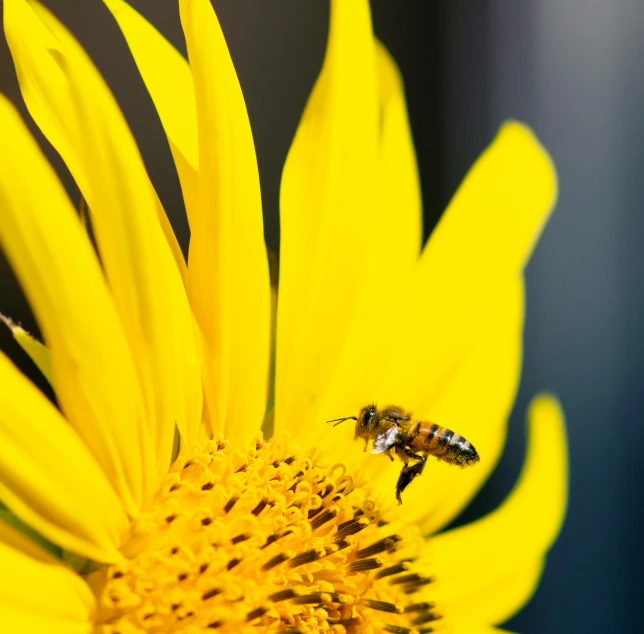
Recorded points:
(337, 421)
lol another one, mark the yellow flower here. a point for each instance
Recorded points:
(299, 532)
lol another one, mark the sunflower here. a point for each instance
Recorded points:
(150, 500)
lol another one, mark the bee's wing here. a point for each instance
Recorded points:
(385, 440)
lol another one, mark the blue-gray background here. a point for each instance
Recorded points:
(573, 71)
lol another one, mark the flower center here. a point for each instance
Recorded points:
(267, 539)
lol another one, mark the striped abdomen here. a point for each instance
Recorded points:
(442, 443)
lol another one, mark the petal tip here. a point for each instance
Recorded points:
(547, 432)
(8, 322)
(523, 141)
(546, 406)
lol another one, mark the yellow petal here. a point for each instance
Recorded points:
(328, 196)
(502, 552)
(37, 594)
(168, 79)
(92, 368)
(48, 477)
(486, 234)
(396, 226)
(398, 200)
(19, 620)
(37, 352)
(228, 268)
(108, 168)
(36, 55)
(475, 403)
(502, 598)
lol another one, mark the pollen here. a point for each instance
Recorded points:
(266, 540)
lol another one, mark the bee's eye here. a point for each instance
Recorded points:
(368, 416)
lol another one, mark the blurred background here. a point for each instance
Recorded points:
(573, 71)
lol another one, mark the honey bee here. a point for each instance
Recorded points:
(393, 432)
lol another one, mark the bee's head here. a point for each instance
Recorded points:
(367, 421)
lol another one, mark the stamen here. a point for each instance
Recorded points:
(255, 614)
(283, 595)
(381, 546)
(413, 578)
(317, 597)
(425, 617)
(274, 537)
(327, 516)
(366, 564)
(414, 586)
(307, 557)
(275, 561)
(240, 538)
(393, 570)
(417, 607)
(260, 507)
(351, 528)
(232, 563)
(230, 504)
(383, 606)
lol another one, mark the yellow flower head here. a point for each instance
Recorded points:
(160, 505)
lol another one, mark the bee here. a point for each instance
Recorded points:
(394, 433)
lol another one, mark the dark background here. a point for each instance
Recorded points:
(573, 71)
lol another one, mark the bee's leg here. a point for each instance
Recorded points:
(407, 475)
(420, 466)
(406, 454)
(366, 444)
(410, 454)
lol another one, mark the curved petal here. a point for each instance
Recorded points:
(486, 234)
(327, 199)
(396, 238)
(37, 593)
(75, 109)
(398, 196)
(36, 351)
(92, 367)
(47, 94)
(228, 267)
(475, 403)
(504, 550)
(48, 477)
(167, 77)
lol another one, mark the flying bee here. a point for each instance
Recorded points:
(393, 432)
